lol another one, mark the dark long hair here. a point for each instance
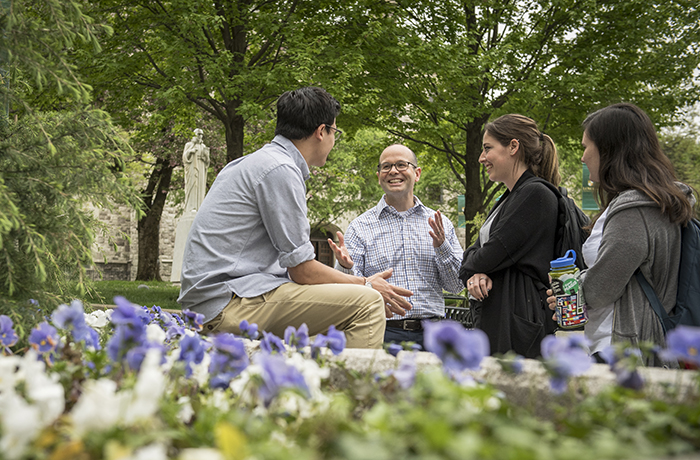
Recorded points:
(537, 150)
(631, 158)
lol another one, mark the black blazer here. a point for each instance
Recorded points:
(516, 257)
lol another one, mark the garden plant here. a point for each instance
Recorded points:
(141, 383)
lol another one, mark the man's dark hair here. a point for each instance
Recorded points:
(301, 111)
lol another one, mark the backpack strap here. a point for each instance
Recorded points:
(653, 300)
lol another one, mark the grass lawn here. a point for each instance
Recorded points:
(147, 293)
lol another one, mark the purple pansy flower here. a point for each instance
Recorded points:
(335, 340)
(69, 317)
(228, 359)
(44, 338)
(394, 348)
(92, 338)
(8, 337)
(624, 365)
(683, 344)
(135, 356)
(193, 319)
(270, 343)
(278, 375)
(128, 313)
(249, 331)
(72, 318)
(565, 357)
(405, 374)
(297, 338)
(124, 339)
(191, 352)
(458, 348)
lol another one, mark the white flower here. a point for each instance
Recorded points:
(97, 319)
(155, 451)
(148, 389)
(20, 424)
(47, 394)
(241, 385)
(186, 412)
(200, 372)
(202, 453)
(219, 399)
(98, 408)
(155, 334)
(9, 367)
(312, 372)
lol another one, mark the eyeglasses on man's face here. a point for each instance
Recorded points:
(338, 133)
(400, 166)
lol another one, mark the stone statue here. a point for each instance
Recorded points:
(196, 161)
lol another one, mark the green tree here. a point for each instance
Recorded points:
(439, 71)
(171, 66)
(347, 184)
(684, 152)
(56, 155)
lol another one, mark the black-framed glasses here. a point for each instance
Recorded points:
(400, 166)
(338, 133)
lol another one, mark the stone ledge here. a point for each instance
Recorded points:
(530, 388)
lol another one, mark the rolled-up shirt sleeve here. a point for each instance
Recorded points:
(281, 197)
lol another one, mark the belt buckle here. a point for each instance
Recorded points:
(409, 324)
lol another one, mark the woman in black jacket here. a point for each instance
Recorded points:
(507, 268)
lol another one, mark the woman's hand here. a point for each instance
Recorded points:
(479, 286)
(552, 302)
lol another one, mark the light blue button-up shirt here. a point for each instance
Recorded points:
(251, 226)
(384, 238)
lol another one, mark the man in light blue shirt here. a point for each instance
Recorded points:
(248, 255)
(400, 232)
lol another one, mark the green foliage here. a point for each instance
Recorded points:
(438, 71)
(146, 293)
(684, 152)
(56, 155)
(347, 184)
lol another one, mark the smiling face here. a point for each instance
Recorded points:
(500, 160)
(398, 185)
(591, 156)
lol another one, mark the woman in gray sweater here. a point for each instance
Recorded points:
(643, 208)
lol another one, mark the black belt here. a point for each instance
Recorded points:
(411, 324)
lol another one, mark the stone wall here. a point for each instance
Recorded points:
(116, 249)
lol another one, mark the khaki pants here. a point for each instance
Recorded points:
(356, 310)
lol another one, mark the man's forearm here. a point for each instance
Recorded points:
(314, 272)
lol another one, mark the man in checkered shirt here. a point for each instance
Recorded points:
(402, 234)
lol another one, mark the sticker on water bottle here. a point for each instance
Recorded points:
(569, 312)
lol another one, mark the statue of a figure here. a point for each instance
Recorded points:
(196, 161)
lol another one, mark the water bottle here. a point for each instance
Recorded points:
(565, 278)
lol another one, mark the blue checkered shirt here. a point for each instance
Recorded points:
(384, 238)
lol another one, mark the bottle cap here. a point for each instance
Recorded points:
(568, 259)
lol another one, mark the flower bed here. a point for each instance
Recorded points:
(140, 383)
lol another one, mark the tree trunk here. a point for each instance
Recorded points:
(235, 125)
(473, 194)
(149, 225)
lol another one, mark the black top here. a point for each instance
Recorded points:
(516, 257)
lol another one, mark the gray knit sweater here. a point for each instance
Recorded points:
(635, 235)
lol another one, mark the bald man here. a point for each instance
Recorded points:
(400, 233)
